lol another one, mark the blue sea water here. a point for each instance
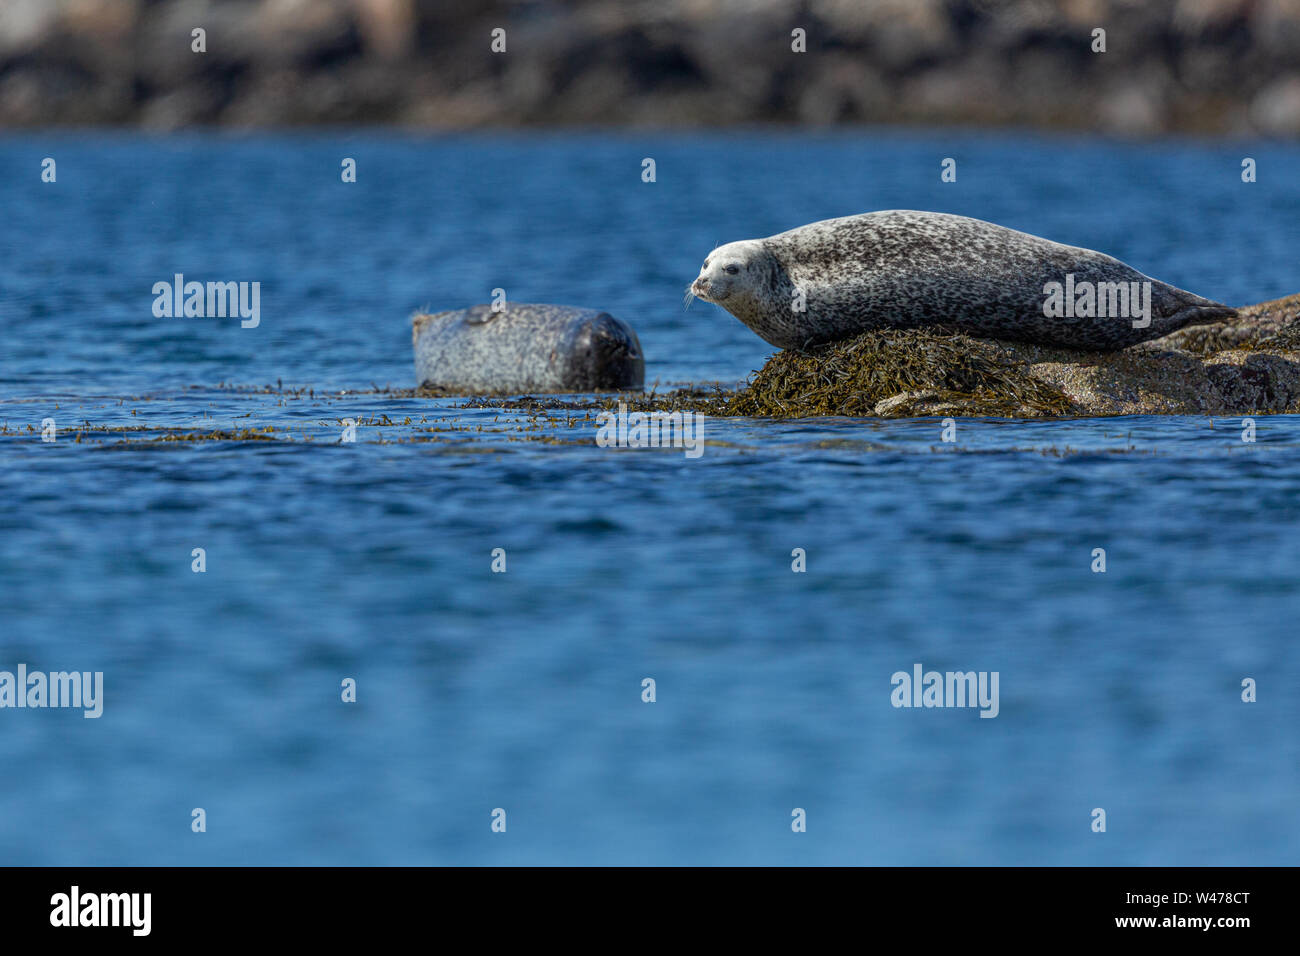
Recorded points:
(523, 691)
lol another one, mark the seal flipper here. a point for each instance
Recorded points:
(1173, 308)
(1206, 314)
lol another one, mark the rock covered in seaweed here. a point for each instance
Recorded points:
(1250, 365)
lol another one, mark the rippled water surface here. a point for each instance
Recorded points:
(523, 690)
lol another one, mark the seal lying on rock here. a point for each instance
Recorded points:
(526, 348)
(905, 269)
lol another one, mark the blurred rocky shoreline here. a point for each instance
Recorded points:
(1221, 67)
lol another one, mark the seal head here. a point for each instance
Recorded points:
(745, 278)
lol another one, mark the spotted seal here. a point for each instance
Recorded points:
(906, 269)
(526, 348)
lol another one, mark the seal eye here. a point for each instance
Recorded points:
(731, 270)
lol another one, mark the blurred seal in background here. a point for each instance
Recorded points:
(526, 348)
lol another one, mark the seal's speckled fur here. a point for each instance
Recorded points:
(907, 269)
(526, 348)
